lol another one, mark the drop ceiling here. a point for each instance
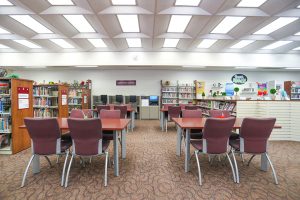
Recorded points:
(149, 26)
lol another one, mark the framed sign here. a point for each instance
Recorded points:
(125, 82)
(239, 79)
(23, 97)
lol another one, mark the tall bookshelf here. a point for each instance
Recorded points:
(216, 104)
(50, 100)
(79, 97)
(15, 104)
(169, 92)
(186, 92)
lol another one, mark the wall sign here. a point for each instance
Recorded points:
(125, 82)
(239, 79)
(23, 97)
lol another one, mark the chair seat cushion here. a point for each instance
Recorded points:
(235, 144)
(105, 144)
(197, 144)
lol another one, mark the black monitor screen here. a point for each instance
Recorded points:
(132, 99)
(119, 98)
(153, 98)
(103, 98)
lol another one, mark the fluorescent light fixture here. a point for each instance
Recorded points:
(297, 33)
(206, 43)
(123, 2)
(187, 2)
(5, 3)
(129, 23)
(3, 31)
(98, 43)
(193, 66)
(241, 44)
(31, 23)
(275, 25)
(87, 66)
(296, 49)
(35, 67)
(291, 68)
(245, 67)
(170, 43)
(134, 42)
(28, 44)
(227, 24)
(277, 44)
(61, 2)
(80, 23)
(62, 43)
(3, 46)
(298, 6)
(251, 3)
(178, 23)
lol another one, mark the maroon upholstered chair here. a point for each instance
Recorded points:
(182, 106)
(109, 114)
(87, 113)
(254, 136)
(215, 140)
(219, 113)
(87, 141)
(195, 133)
(123, 110)
(77, 113)
(45, 140)
(173, 112)
(190, 107)
(102, 107)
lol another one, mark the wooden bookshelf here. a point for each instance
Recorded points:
(79, 98)
(169, 92)
(16, 104)
(216, 104)
(50, 100)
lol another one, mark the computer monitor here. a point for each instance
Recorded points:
(103, 99)
(132, 99)
(119, 98)
(153, 100)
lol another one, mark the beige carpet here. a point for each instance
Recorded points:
(153, 171)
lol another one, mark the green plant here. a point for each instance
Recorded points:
(273, 91)
(223, 94)
(236, 89)
(12, 76)
(215, 94)
(203, 94)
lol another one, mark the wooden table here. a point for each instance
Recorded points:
(115, 125)
(198, 123)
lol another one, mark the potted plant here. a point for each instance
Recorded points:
(203, 95)
(273, 92)
(236, 90)
(215, 94)
(224, 95)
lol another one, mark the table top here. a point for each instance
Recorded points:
(198, 123)
(107, 124)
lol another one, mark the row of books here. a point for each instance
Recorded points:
(170, 95)
(5, 105)
(204, 104)
(224, 105)
(186, 89)
(75, 92)
(49, 91)
(75, 101)
(169, 89)
(45, 113)
(170, 101)
(4, 125)
(45, 102)
(186, 96)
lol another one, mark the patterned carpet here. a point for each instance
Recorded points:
(153, 171)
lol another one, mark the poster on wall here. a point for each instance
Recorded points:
(84, 99)
(229, 89)
(23, 97)
(262, 89)
(200, 88)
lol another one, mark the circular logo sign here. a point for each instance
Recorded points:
(239, 79)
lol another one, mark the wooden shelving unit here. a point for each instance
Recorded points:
(292, 89)
(50, 100)
(186, 92)
(16, 104)
(169, 92)
(216, 104)
(79, 98)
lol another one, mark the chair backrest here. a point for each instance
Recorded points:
(110, 114)
(182, 106)
(216, 133)
(255, 133)
(44, 134)
(188, 107)
(77, 113)
(191, 113)
(219, 113)
(102, 107)
(166, 106)
(174, 111)
(87, 113)
(86, 136)
(123, 110)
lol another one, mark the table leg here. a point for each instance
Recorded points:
(123, 135)
(132, 123)
(36, 164)
(178, 148)
(116, 154)
(162, 120)
(187, 150)
(264, 164)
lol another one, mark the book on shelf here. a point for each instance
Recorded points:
(45, 112)
(45, 91)
(4, 125)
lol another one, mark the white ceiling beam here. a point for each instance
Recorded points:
(65, 10)
(184, 11)
(247, 12)
(125, 10)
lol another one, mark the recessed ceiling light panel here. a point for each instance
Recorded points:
(134, 42)
(98, 43)
(31, 23)
(170, 43)
(275, 25)
(129, 23)
(3, 31)
(62, 43)
(28, 44)
(227, 24)
(80, 23)
(61, 2)
(297, 49)
(5, 3)
(251, 3)
(3, 46)
(178, 23)
(241, 44)
(187, 2)
(206, 43)
(277, 44)
(297, 33)
(123, 2)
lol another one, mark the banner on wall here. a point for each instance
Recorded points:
(262, 89)
(229, 89)
(200, 88)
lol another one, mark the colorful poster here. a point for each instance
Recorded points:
(262, 89)
(200, 88)
(229, 89)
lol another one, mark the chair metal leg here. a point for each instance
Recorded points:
(91, 159)
(48, 161)
(25, 173)
(166, 125)
(209, 158)
(273, 170)
(250, 160)
(64, 169)
(236, 168)
(233, 172)
(219, 158)
(57, 159)
(242, 156)
(105, 172)
(67, 177)
(199, 170)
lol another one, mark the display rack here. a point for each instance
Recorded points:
(217, 104)
(15, 105)
(50, 100)
(169, 92)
